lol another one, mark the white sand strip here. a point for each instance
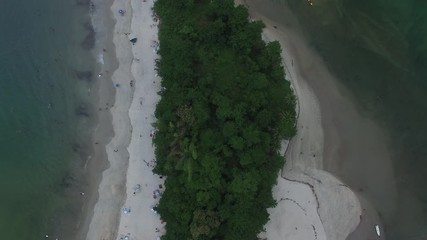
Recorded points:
(295, 216)
(141, 222)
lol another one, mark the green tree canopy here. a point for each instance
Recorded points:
(225, 106)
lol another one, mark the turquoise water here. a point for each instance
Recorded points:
(378, 50)
(44, 100)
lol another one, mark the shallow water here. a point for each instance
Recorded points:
(378, 50)
(46, 115)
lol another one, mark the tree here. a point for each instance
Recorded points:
(225, 107)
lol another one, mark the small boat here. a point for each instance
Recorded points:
(377, 229)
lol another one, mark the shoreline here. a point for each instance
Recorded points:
(332, 205)
(103, 132)
(355, 148)
(130, 151)
(84, 176)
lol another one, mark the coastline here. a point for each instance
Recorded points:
(320, 205)
(356, 149)
(85, 172)
(130, 151)
(97, 162)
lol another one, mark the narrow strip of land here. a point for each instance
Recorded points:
(126, 198)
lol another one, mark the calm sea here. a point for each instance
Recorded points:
(45, 116)
(378, 50)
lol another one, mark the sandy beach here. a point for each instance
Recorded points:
(126, 189)
(142, 222)
(333, 210)
(320, 205)
(335, 144)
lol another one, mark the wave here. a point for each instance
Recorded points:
(99, 11)
(100, 58)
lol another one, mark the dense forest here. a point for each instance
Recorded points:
(225, 106)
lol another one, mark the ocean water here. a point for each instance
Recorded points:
(378, 50)
(46, 69)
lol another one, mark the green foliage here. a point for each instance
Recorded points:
(224, 109)
(204, 224)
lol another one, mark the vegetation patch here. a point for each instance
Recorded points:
(225, 105)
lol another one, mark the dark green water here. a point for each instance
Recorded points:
(378, 49)
(42, 136)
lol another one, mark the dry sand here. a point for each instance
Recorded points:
(142, 223)
(130, 150)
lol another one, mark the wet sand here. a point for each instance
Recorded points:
(87, 176)
(103, 132)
